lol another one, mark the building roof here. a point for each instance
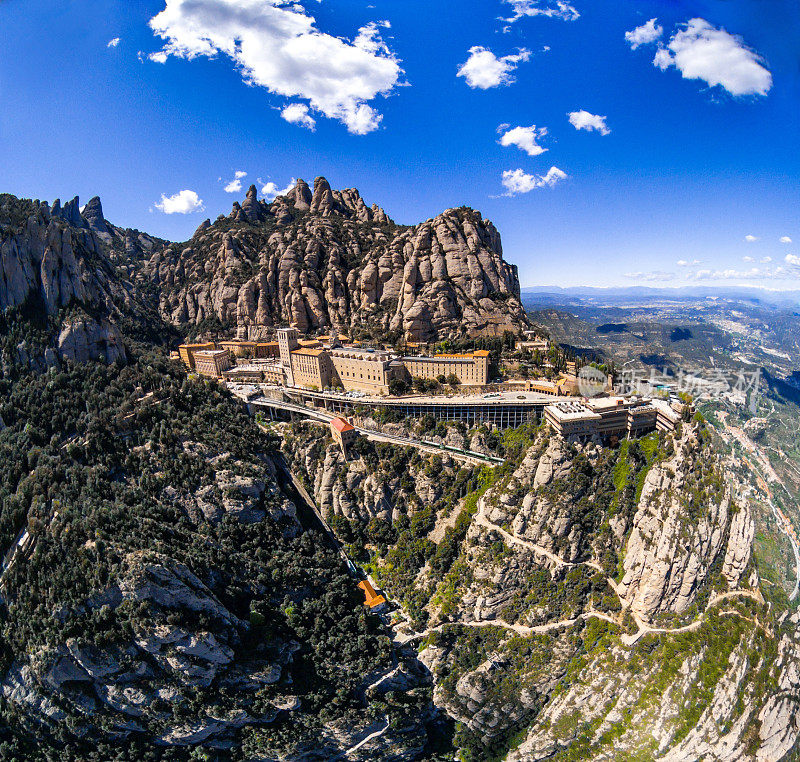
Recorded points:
(211, 353)
(571, 411)
(440, 358)
(542, 383)
(371, 598)
(197, 345)
(309, 352)
(256, 365)
(308, 342)
(341, 425)
(357, 353)
(666, 410)
(606, 404)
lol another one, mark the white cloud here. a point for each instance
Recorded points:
(644, 34)
(662, 59)
(653, 275)
(297, 113)
(583, 120)
(524, 138)
(113, 43)
(516, 181)
(780, 272)
(235, 185)
(183, 202)
(750, 238)
(484, 70)
(550, 8)
(276, 45)
(685, 263)
(765, 260)
(747, 259)
(158, 57)
(701, 51)
(785, 239)
(270, 191)
(732, 274)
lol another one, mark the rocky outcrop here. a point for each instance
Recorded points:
(88, 339)
(355, 489)
(668, 557)
(565, 569)
(325, 259)
(139, 682)
(92, 213)
(57, 259)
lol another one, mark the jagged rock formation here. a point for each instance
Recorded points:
(323, 259)
(54, 257)
(166, 596)
(604, 603)
(667, 558)
(317, 260)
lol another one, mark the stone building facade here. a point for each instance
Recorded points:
(310, 368)
(212, 362)
(470, 369)
(186, 352)
(362, 369)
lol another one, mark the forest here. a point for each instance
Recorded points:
(102, 465)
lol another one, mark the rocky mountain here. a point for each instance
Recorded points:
(167, 593)
(55, 267)
(325, 259)
(317, 260)
(164, 596)
(580, 603)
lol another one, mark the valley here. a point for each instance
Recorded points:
(185, 524)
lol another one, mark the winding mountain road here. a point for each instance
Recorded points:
(643, 626)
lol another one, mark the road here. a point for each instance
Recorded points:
(371, 737)
(643, 626)
(519, 629)
(324, 416)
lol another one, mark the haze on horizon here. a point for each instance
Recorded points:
(652, 144)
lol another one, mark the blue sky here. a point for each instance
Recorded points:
(663, 191)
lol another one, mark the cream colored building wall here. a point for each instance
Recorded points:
(239, 348)
(310, 370)
(467, 370)
(211, 366)
(482, 369)
(186, 351)
(360, 374)
(275, 375)
(287, 342)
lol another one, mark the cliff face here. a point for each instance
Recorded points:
(57, 261)
(324, 259)
(584, 601)
(160, 595)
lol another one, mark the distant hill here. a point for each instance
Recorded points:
(535, 295)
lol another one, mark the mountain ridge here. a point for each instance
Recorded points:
(324, 259)
(319, 259)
